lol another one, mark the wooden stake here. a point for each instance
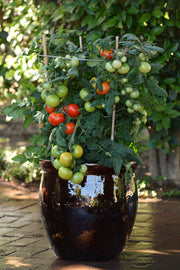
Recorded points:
(44, 50)
(114, 106)
(80, 42)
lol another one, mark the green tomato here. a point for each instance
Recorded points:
(57, 164)
(144, 113)
(129, 89)
(117, 99)
(116, 64)
(109, 67)
(66, 159)
(83, 169)
(136, 106)
(144, 67)
(74, 61)
(83, 93)
(124, 68)
(62, 91)
(56, 151)
(124, 59)
(123, 92)
(88, 107)
(124, 80)
(47, 86)
(53, 101)
(45, 94)
(135, 94)
(130, 110)
(77, 151)
(65, 173)
(128, 103)
(141, 57)
(77, 178)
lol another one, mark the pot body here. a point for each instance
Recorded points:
(91, 221)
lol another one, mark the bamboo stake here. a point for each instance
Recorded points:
(114, 106)
(80, 42)
(45, 54)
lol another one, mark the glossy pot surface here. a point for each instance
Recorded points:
(91, 221)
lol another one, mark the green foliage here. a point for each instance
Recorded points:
(159, 22)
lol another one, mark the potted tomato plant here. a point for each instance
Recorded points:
(93, 101)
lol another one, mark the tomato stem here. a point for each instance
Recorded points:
(71, 141)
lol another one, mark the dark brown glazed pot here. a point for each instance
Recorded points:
(91, 221)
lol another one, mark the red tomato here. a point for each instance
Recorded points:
(69, 128)
(106, 53)
(49, 109)
(105, 88)
(56, 118)
(72, 109)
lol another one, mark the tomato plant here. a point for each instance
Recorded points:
(56, 118)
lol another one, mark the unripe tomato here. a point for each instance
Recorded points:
(116, 64)
(117, 99)
(45, 94)
(144, 67)
(56, 151)
(88, 107)
(124, 68)
(83, 169)
(105, 89)
(56, 118)
(130, 110)
(136, 106)
(47, 86)
(123, 59)
(74, 61)
(49, 109)
(77, 151)
(62, 91)
(57, 164)
(66, 159)
(123, 92)
(72, 109)
(128, 103)
(83, 93)
(93, 81)
(53, 100)
(106, 53)
(109, 67)
(135, 94)
(77, 178)
(65, 173)
(141, 57)
(69, 128)
(129, 89)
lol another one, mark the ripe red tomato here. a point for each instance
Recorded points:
(69, 128)
(72, 109)
(56, 118)
(105, 88)
(106, 53)
(49, 109)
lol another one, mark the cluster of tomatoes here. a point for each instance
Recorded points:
(65, 162)
(120, 66)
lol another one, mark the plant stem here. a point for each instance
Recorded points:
(71, 142)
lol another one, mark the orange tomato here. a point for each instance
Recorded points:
(105, 89)
(106, 53)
